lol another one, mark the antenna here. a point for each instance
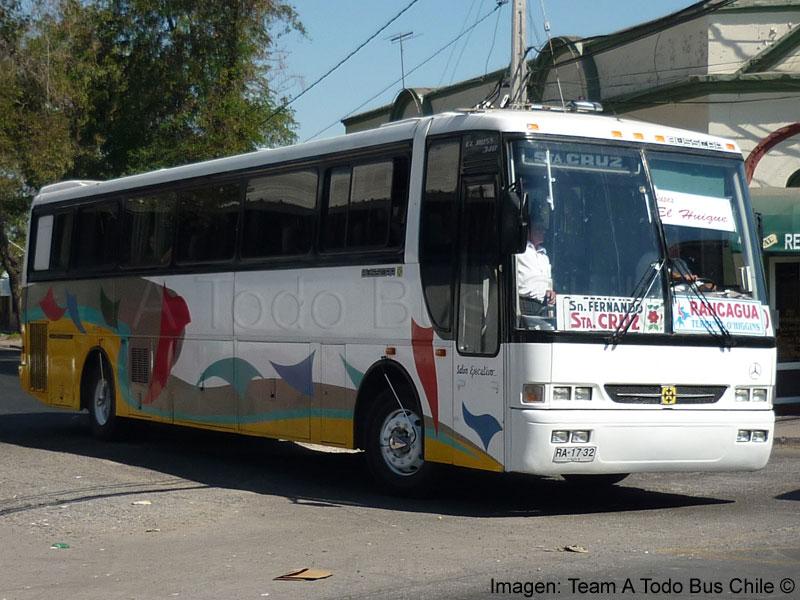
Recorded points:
(552, 53)
(399, 38)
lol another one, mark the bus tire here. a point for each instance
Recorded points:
(596, 481)
(99, 397)
(395, 446)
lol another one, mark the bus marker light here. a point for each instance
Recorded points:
(759, 436)
(391, 351)
(759, 394)
(616, 134)
(562, 393)
(730, 146)
(533, 127)
(583, 393)
(742, 395)
(743, 435)
(661, 138)
(533, 393)
(440, 352)
(580, 437)
(559, 437)
(638, 136)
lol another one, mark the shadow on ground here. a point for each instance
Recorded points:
(320, 478)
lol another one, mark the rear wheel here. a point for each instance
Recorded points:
(99, 398)
(603, 480)
(395, 446)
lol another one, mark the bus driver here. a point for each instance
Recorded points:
(534, 278)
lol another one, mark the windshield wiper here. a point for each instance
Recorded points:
(721, 333)
(640, 292)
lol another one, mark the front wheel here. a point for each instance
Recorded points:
(395, 446)
(99, 398)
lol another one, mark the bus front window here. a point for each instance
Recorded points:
(593, 224)
(700, 204)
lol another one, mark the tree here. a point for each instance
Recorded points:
(103, 88)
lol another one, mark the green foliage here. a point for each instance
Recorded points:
(102, 88)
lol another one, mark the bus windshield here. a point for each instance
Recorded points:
(595, 261)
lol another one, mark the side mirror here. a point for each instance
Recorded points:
(514, 223)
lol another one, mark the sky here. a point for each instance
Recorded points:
(372, 76)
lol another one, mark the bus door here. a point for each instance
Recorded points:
(478, 369)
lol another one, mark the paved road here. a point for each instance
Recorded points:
(175, 513)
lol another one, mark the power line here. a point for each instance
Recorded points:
(453, 50)
(491, 47)
(420, 65)
(286, 104)
(464, 47)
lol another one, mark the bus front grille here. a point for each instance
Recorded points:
(657, 394)
(38, 356)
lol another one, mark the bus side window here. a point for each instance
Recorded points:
(44, 240)
(335, 220)
(365, 206)
(147, 230)
(438, 231)
(370, 205)
(96, 237)
(207, 223)
(279, 215)
(62, 238)
(478, 308)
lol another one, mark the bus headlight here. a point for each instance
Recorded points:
(583, 393)
(759, 436)
(559, 437)
(580, 437)
(742, 395)
(562, 393)
(743, 435)
(759, 395)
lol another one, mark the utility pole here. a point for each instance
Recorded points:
(519, 44)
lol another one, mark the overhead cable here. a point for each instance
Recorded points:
(286, 104)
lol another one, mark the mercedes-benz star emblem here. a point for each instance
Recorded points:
(755, 371)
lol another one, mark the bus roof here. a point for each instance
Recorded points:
(541, 121)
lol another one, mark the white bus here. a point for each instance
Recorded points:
(362, 292)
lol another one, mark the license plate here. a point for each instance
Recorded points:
(574, 454)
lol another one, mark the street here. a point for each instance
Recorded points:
(176, 513)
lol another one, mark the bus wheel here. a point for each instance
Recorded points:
(99, 398)
(395, 449)
(603, 480)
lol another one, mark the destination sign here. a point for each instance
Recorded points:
(607, 313)
(695, 210)
(740, 317)
(561, 159)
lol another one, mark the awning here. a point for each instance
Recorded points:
(780, 218)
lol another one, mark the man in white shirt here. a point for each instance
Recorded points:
(534, 278)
